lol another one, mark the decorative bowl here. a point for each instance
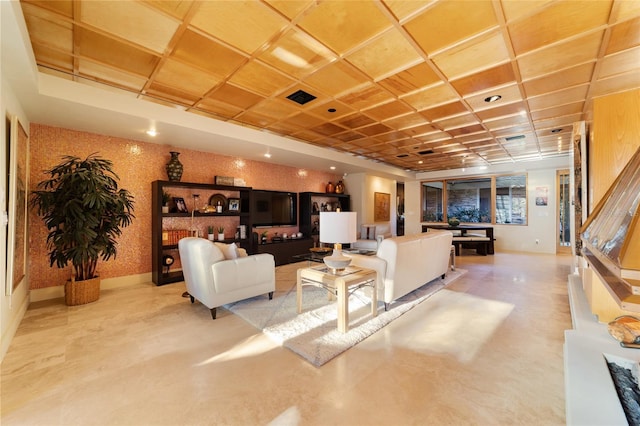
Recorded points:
(454, 221)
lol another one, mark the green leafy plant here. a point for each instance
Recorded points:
(84, 211)
(220, 229)
(210, 229)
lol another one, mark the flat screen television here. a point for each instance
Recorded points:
(274, 208)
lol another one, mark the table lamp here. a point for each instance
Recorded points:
(338, 228)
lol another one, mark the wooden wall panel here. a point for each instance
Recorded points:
(616, 137)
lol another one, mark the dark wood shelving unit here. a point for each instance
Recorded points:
(308, 215)
(159, 249)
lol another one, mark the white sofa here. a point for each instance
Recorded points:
(405, 263)
(216, 274)
(371, 235)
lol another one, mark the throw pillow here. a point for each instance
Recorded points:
(230, 251)
(368, 232)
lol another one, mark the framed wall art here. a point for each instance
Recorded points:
(18, 144)
(234, 204)
(381, 207)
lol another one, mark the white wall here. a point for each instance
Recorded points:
(12, 308)
(542, 220)
(361, 187)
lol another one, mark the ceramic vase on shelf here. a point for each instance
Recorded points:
(174, 167)
(330, 189)
(339, 187)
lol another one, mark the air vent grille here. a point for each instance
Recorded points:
(514, 138)
(301, 97)
(425, 152)
(402, 155)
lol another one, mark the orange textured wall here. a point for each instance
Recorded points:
(138, 164)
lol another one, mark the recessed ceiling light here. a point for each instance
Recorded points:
(267, 155)
(493, 98)
(152, 132)
(331, 110)
(556, 130)
(332, 167)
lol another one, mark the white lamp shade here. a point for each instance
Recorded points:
(338, 227)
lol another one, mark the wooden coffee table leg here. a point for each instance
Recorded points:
(343, 306)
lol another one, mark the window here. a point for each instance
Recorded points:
(432, 202)
(511, 199)
(476, 200)
(469, 200)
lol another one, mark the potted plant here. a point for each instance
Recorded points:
(220, 233)
(84, 212)
(210, 235)
(166, 197)
(263, 237)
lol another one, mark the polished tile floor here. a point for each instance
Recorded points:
(487, 350)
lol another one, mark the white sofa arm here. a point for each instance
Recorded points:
(371, 262)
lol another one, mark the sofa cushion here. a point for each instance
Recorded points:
(229, 251)
(216, 254)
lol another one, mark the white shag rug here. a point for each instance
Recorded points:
(313, 334)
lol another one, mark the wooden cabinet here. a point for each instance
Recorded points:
(312, 203)
(168, 228)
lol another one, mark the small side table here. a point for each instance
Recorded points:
(341, 285)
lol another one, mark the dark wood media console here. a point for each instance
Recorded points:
(284, 251)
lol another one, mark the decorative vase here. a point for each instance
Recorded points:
(330, 189)
(165, 209)
(174, 167)
(339, 187)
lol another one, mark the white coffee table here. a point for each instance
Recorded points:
(341, 285)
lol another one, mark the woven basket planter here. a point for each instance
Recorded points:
(81, 292)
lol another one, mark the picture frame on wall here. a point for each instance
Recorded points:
(381, 206)
(181, 206)
(234, 204)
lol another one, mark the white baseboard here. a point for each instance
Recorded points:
(56, 292)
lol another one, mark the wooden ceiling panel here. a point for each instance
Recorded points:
(352, 23)
(115, 53)
(134, 21)
(410, 80)
(561, 97)
(434, 95)
(366, 96)
(207, 54)
(117, 78)
(620, 63)
(556, 22)
(624, 36)
(560, 56)
(259, 78)
(397, 73)
(247, 25)
(189, 79)
(389, 110)
(581, 74)
(451, 22)
(386, 55)
(481, 81)
(46, 30)
(483, 52)
(235, 96)
(297, 54)
(337, 79)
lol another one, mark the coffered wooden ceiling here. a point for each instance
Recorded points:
(401, 82)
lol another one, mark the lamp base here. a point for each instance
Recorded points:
(337, 262)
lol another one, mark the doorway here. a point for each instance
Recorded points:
(563, 234)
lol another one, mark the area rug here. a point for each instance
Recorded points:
(313, 334)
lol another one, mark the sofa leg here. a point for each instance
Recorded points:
(270, 295)
(386, 306)
(443, 276)
(193, 299)
(213, 313)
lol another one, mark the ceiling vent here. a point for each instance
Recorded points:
(514, 138)
(425, 152)
(301, 97)
(402, 155)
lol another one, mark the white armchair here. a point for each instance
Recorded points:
(216, 274)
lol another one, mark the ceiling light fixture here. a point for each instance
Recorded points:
(267, 155)
(152, 132)
(332, 167)
(556, 130)
(493, 98)
(332, 110)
